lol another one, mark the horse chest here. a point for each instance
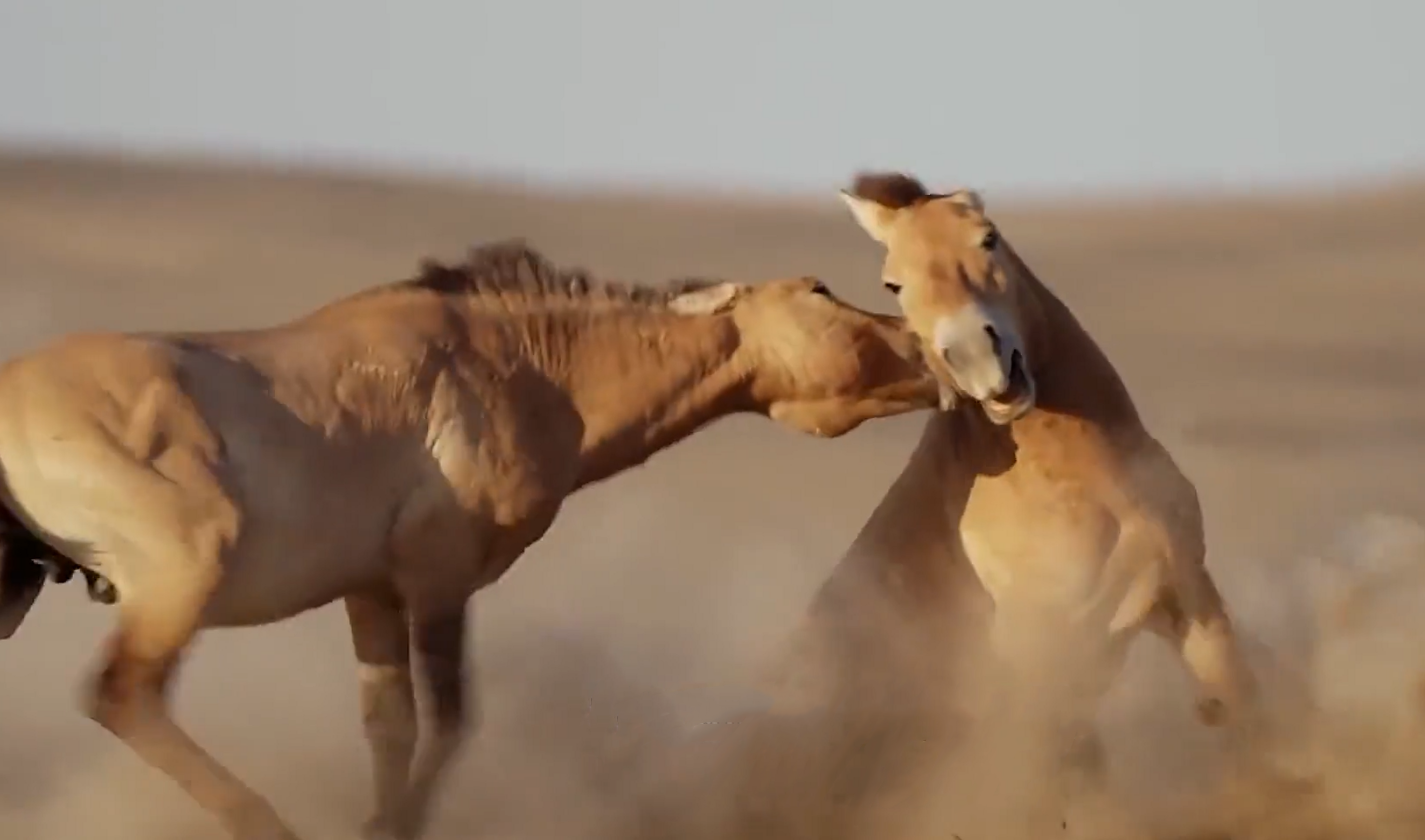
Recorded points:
(1037, 545)
(529, 490)
(517, 527)
(522, 503)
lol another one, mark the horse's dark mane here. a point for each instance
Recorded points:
(512, 269)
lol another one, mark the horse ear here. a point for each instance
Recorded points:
(873, 217)
(707, 301)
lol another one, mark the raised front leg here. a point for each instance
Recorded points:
(1260, 740)
(442, 664)
(1194, 620)
(388, 708)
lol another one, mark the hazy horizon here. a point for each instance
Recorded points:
(1026, 96)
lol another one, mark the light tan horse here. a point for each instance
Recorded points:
(398, 449)
(1041, 489)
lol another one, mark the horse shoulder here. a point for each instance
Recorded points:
(503, 452)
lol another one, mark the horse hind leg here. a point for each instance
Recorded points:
(381, 638)
(1052, 673)
(129, 699)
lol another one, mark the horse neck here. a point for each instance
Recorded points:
(644, 380)
(1072, 374)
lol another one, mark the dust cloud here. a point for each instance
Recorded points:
(584, 738)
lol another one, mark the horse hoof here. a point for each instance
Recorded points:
(266, 832)
(1212, 711)
(260, 823)
(382, 828)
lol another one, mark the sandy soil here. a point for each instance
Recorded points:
(1274, 346)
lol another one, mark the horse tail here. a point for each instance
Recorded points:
(26, 564)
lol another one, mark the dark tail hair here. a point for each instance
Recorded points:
(24, 558)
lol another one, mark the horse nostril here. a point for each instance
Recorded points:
(994, 339)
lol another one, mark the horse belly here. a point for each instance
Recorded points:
(301, 558)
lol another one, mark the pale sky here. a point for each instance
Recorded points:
(1021, 95)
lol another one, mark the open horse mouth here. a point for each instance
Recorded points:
(1017, 397)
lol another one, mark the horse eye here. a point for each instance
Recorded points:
(990, 240)
(819, 288)
(895, 288)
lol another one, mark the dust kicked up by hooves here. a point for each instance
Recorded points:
(1339, 636)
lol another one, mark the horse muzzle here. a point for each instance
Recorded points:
(1016, 398)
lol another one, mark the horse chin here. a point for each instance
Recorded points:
(1002, 414)
(825, 419)
(1017, 400)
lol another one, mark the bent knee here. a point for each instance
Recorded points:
(113, 699)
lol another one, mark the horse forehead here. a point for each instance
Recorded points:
(930, 239)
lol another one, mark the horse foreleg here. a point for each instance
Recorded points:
(1193, 619)
(128, 698)
(442, 665)
(381, 639)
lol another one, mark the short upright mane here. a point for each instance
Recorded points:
(894, 190)
(513, 270)
(889, 189)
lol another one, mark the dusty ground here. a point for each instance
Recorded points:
(1275, 347)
